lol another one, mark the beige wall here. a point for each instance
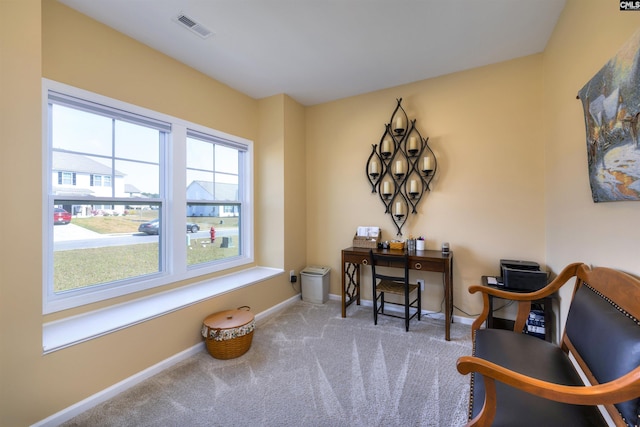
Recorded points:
(487, 199)
(588, 34)
(270, 181)
(281, 182)
(80, 52)
(295, 187)
(21, 364)
(512, 179)
(47, 39)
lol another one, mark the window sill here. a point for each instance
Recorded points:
(74, 330)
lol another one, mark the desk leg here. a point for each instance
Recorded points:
(448, 296)
(490, 316)
(350, 285)
(548, 309)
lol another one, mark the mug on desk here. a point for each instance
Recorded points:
(419, 245)
(445, 248)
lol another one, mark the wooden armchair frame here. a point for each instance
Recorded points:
(619, 287)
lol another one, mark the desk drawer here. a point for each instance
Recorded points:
(415, 262)
(424, 265)
(356, 258)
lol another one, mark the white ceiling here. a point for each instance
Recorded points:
(321, 50)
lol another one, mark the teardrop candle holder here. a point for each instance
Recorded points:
(401, 167)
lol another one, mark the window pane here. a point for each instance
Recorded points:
(98, 244)
(199, 154)
(212, 171)
(212, 175)
(199, 185)
(137, 178)
(219, 235)
(76, 130)
(226, 187)
(111, 240)
(226, 159)
(135, 142)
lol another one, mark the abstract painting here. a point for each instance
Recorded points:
(611, 102)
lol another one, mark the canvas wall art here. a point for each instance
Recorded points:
(611, 102)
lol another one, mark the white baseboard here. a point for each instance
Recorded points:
(106, 394)
(262, 316)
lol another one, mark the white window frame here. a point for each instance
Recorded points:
(173, 250)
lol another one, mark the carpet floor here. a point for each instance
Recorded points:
(308, 366)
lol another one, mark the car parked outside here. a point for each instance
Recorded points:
(153, 227)
(61, 216)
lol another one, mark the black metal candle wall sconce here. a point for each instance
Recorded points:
(401, 167)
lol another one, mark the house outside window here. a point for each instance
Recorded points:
(132, 228)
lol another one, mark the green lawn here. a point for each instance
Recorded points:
(129, 223)
(115, 224)
(83, 267)
(86, 267)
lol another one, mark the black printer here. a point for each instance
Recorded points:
(522, 275)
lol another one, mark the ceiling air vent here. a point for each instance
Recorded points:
(192, 25)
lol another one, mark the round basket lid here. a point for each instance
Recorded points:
(228, 319)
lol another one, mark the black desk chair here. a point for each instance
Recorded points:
(397, 285)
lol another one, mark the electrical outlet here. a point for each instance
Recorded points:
(420, 282)
(292, 276)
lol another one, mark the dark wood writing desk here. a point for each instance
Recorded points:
(434, 261)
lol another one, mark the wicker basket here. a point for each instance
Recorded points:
(365, 242)
(228, 334)
(396, 245)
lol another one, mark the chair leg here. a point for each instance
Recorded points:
(406, 308)
(419, 302)
(375, 306)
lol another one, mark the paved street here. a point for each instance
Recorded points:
(71, 236)
(62, 233)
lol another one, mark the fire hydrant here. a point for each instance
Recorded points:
(212, 233)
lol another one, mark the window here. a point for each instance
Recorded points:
(213, 195)
(100, 180)
(109, 165)
(66, 178)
